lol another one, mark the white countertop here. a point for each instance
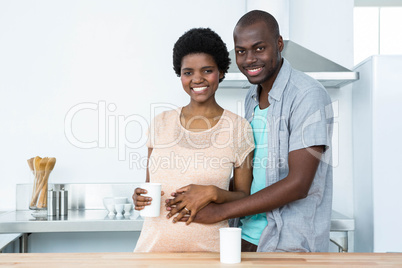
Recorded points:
(21, 221)
(97, 220)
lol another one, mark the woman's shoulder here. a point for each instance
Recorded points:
(167, 116)
(235, 118)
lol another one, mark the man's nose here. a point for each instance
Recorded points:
(250, 57)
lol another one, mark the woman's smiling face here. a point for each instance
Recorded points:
(200, 77)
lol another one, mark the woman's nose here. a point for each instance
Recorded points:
(198, 78)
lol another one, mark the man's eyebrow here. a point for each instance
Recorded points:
(254, 45)
(258, 43)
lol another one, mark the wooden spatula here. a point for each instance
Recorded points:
(43, 196)
(40, 171)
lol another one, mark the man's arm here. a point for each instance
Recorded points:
(195, 197)
(303, 164)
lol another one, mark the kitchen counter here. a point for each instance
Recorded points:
(97, 220)
(87, 214)
(21, 221)
(200, 260)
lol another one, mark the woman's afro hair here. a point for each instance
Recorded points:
(201, 40)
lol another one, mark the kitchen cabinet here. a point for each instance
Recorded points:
(7, 240)
(377, 130)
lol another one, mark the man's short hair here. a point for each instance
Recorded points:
(255, 16)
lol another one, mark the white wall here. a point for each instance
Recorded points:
(57, 55)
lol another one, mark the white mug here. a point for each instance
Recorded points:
(154, 191)
(230, 245)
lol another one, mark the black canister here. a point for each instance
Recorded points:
(63, 202)
(51, 202)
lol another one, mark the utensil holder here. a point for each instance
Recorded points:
(38, 200)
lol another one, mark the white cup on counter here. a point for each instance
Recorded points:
(119, 210)
(127, 209)
(153, 191)
(230, 245)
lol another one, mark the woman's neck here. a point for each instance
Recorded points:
(199, 117)
(207, 110)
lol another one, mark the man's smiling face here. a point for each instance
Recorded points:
(258, 53)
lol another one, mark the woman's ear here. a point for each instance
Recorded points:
(221, 74)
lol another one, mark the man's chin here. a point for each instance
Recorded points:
(255, 80)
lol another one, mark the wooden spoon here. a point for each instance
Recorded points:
(43, 196)
(32, 168)
(31, 164)
(36, 162)
(40, 171)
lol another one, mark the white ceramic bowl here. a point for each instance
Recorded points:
(120, 200)
(128, 208)
(110, 202)
(111, 209)
(119, 209)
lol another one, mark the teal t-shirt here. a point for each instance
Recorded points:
(252, 226)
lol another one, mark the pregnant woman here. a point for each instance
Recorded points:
(199, 146)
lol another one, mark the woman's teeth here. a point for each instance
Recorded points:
(198, 89)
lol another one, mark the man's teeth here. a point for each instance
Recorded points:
(254, 70)
(198, 89)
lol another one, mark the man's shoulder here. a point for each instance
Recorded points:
(302, 83)
(251, 91)
(302, 87)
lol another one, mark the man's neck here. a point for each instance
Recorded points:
(263, 97)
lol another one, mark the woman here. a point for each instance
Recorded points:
(196, 147)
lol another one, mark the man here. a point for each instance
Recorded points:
(289, 208)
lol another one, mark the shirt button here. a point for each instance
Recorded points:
(255, 98)
(252, 114)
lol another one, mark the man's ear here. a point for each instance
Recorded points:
(280, 43)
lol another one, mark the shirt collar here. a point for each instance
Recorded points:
(279, 84)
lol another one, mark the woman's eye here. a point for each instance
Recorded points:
(186, 73)
(208, 71)
(240, 51)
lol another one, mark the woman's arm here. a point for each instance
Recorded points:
(194, 197)
(242, 177)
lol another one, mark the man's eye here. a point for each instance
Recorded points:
(208, 71)
(240, 51)
(260, 48)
